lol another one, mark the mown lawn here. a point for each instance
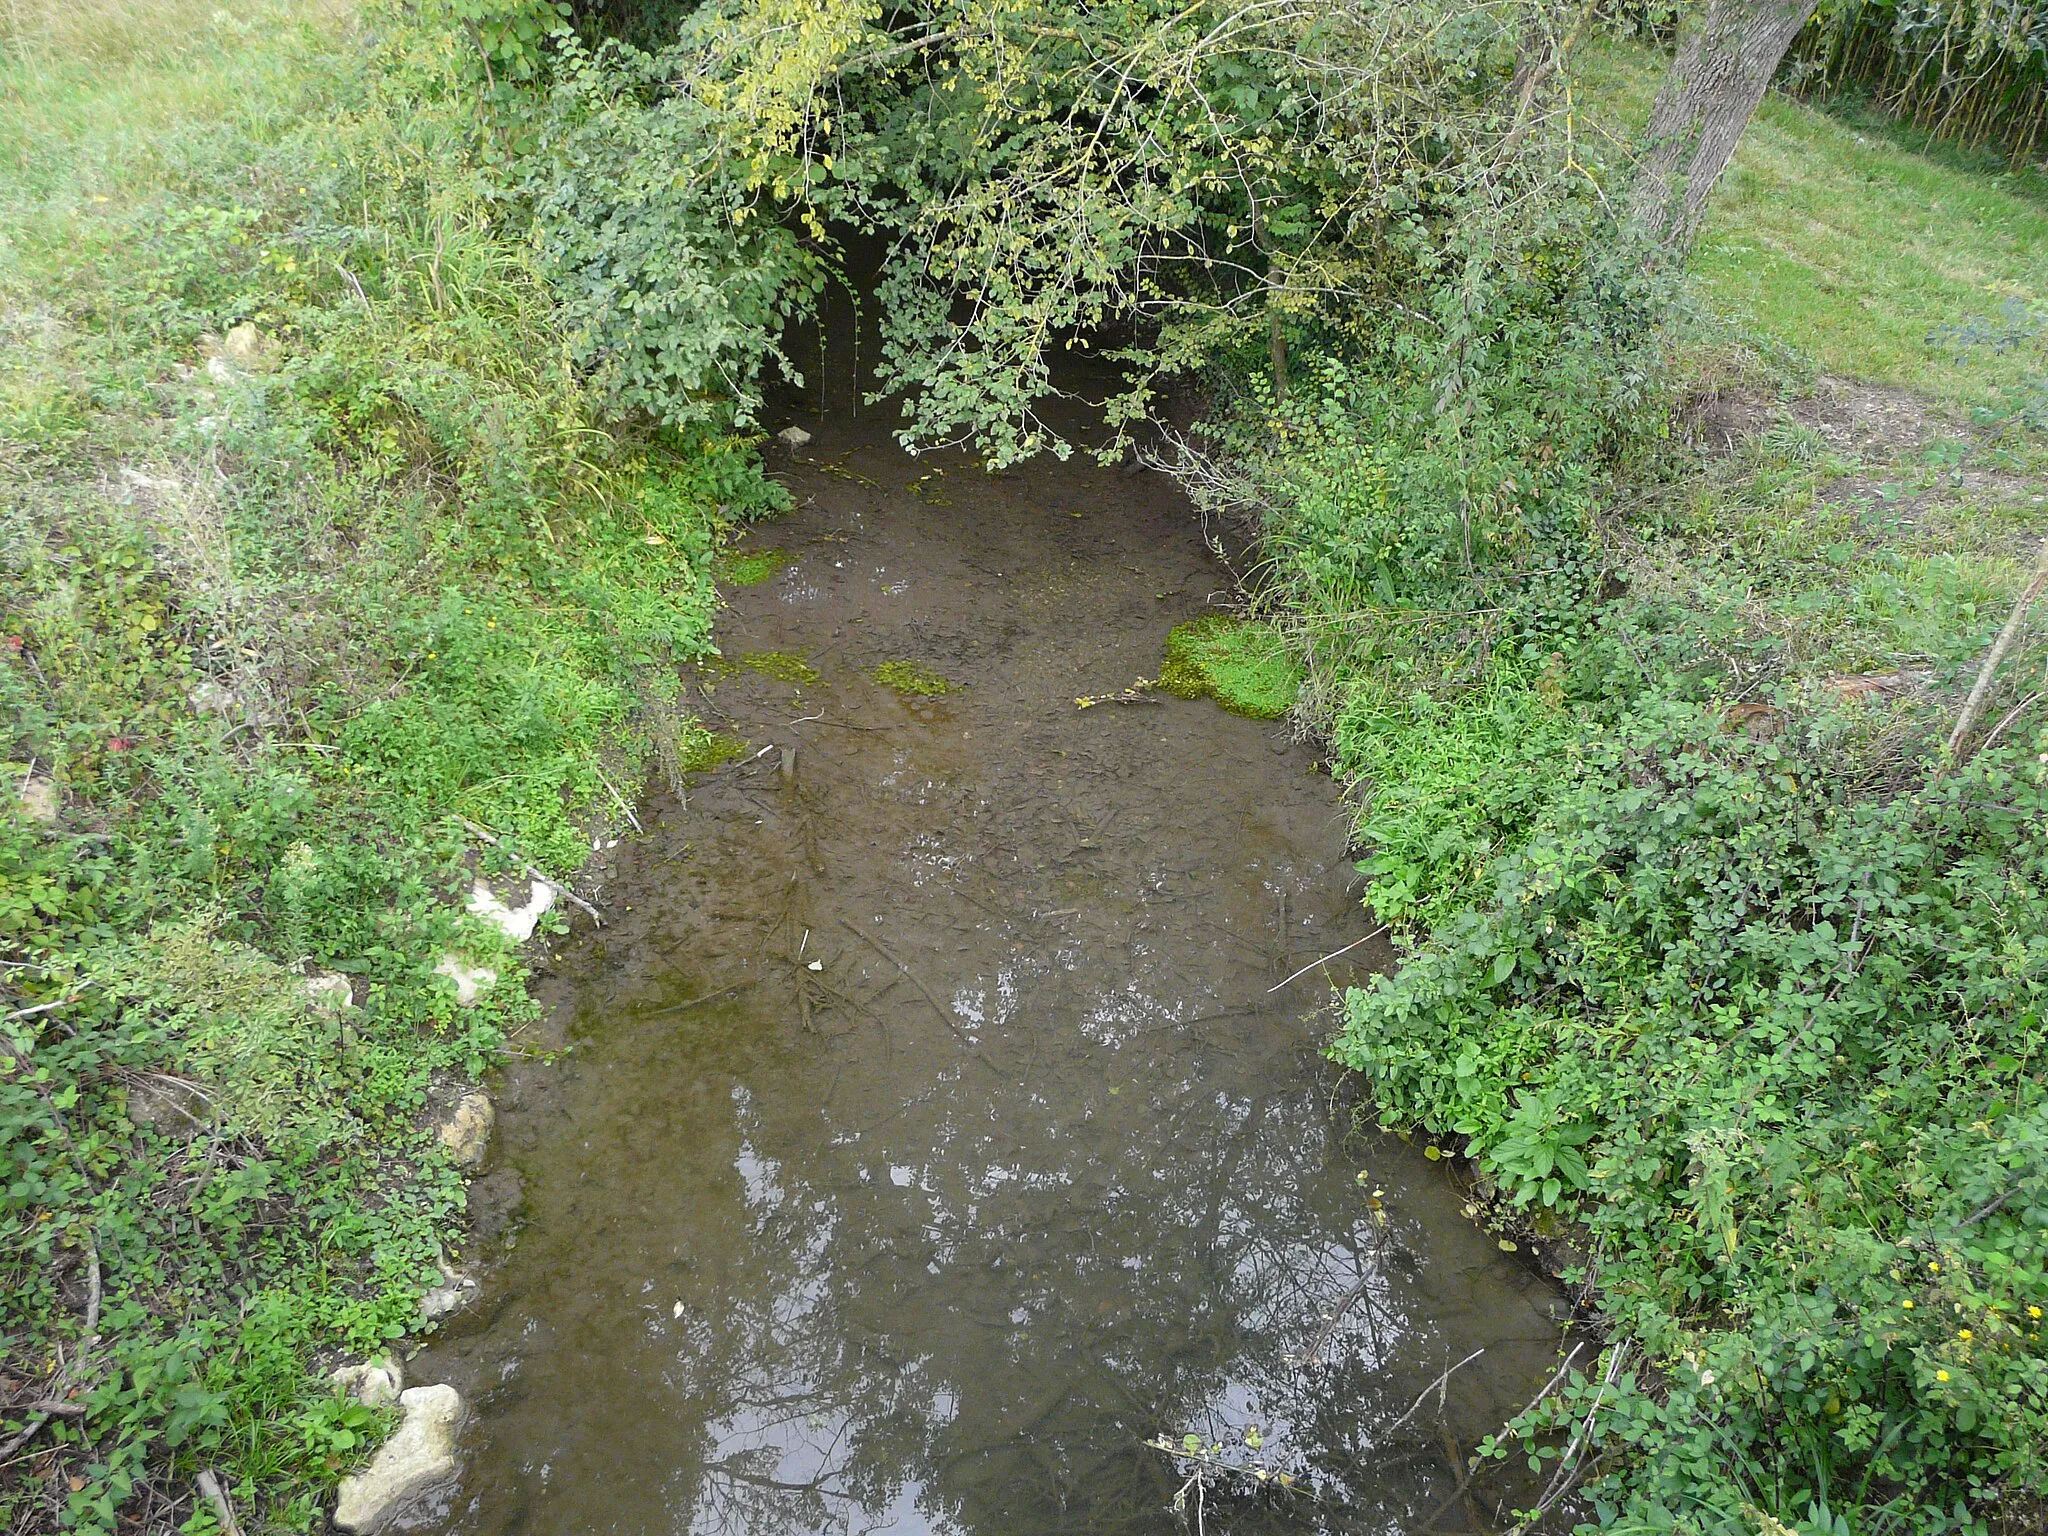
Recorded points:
(1838, 240)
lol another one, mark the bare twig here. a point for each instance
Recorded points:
(54, 1406)
(1333, 954)
(621, 799)
(1974, 705)
(1989, 1207)
(708, 997)
(2011, 715)
(29, 1013)
(1551, 1385)
(554, 885)
(210, 1487)
(1439, 1386)
(1566, 1476)
(945, 1017)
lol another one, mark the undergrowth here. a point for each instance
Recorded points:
(1720, 967)
(311, 551)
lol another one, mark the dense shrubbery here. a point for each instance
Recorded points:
(1777, 1046)
(1757, 1020)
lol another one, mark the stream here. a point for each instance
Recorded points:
(937, 1123)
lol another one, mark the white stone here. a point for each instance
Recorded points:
(136, 480)
(471, 981)
(466, 1131)
(329, 992)
(373, 1383)
(516, 923)
(446, 1300)
(39, 800)
(414, 1464)
(243, 351)
(796, 437)
(211, 698)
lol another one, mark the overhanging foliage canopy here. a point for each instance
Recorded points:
(1184, 176)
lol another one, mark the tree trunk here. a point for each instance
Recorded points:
(1723, 68)
(1276, 343)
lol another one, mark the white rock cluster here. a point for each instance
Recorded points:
(466, 1129)
(418, 1462)
(517, 923)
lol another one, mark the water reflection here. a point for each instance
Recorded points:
(1033, 1167)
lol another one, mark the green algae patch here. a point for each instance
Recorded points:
(913, 679)
(783, 666)
(700, 750)
(1240, 663)
(752, 567)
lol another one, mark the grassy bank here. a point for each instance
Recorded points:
(1724, 970)
(311, 552)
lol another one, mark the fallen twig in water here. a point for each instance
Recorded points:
(1333, 954)
(944, 1017)
(1440, 1386)
(1566, 1477)
(708, 997)
(1139, 692)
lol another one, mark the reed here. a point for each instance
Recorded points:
(1970, 72)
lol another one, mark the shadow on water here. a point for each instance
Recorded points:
(932, 1135)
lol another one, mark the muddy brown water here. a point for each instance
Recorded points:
(932, 1134)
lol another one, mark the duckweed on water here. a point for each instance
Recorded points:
(783, 666)
(751, 567)
(1240, 663)
(913, 679)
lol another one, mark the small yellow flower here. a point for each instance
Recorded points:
(1964, 1333)
(1934, 1265)
(1909, 1306)
(2033, 1311)
(1941, 1375)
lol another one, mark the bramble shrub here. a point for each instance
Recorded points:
(1777, 1049)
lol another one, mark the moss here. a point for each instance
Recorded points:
(912, 679)
(704, 750)
(1240, 663)
(783, 666)
(751, 567)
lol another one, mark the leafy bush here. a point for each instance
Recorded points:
(1777, 1048)
(1449, 783)
(676, 281)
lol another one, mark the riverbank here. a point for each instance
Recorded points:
(325, 599)
(327, 591)
(1721, 960)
